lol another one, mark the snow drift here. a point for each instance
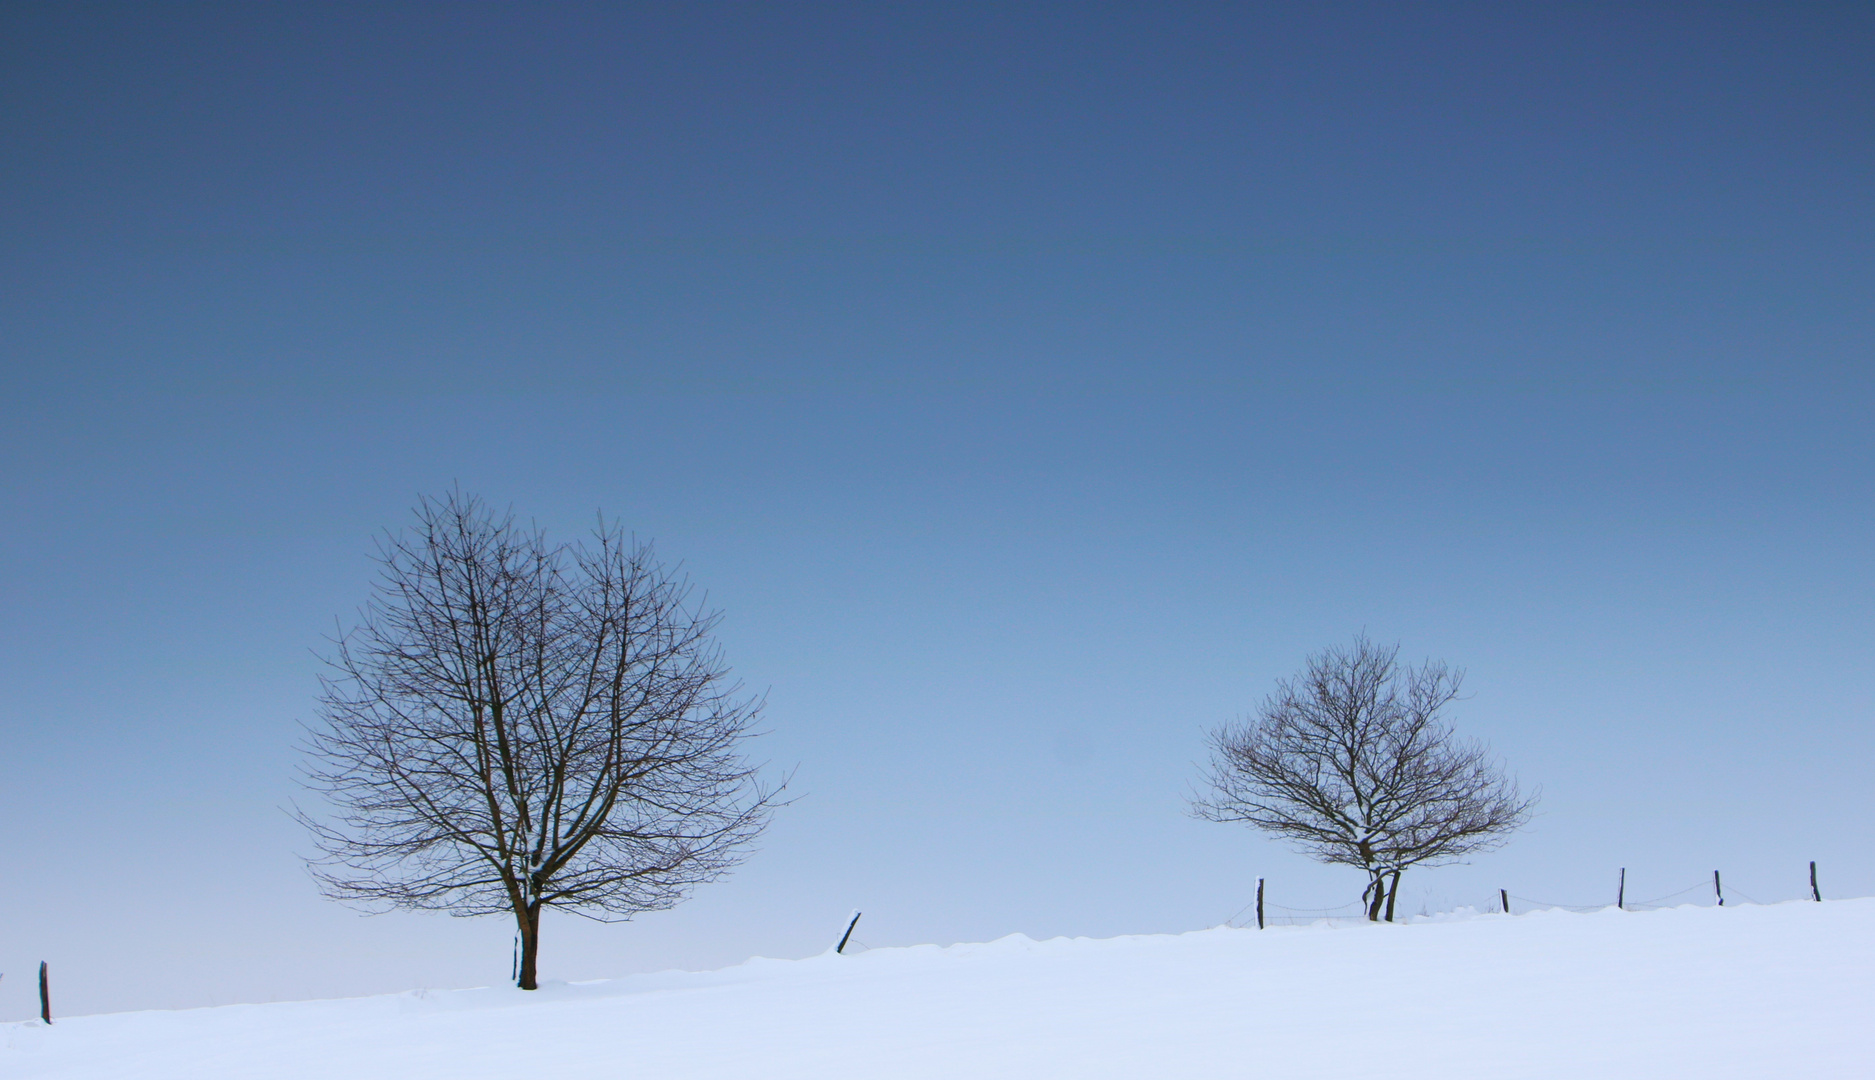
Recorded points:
(1785, 989)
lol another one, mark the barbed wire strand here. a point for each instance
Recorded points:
(1315, 911)
(1232, 921)
(1639, 905)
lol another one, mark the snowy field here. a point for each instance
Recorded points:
(1779, 990)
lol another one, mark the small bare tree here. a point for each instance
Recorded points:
(1352, 761)
(515, 725)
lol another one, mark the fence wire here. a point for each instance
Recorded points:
(1355, 912)
(1279, 915)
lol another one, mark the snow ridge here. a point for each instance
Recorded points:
(1743, 991)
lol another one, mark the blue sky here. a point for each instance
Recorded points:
(1030, 387)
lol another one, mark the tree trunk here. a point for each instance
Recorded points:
(1393, 892)
(530, 946)
(1375, 895)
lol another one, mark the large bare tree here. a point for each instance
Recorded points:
(515, 725)
(1353, 762)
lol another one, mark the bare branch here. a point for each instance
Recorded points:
(1352, 763)
(515, 725)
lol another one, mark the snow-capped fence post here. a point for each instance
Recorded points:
(1716, 890)
(1621, 891)
(45, 995)
(841, 947)
(1503, 897)
(1815, 893)
(1260, 896)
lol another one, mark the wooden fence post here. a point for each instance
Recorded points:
(1814, 893)
(45, 995)
(1503, 896)
(1260, 902)
(841, 947)
(1621, 891)
(1716, 890)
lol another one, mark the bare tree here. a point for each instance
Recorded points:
(1352, 761)
(515, 725)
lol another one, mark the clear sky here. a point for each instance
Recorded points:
(1029, 386)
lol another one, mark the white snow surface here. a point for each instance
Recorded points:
(1778, 990)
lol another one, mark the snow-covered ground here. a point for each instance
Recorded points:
(1779, 990)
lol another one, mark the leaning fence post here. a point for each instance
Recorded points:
(1503, 896)
(1621, 891)
(45, 995)
(1716, 890)
(1260, 900)
(1814, 893)
(841, 947)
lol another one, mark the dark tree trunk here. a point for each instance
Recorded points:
(1375, 895)
(530, 946)
(1393, 892)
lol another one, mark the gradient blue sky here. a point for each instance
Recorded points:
(1030, 386)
